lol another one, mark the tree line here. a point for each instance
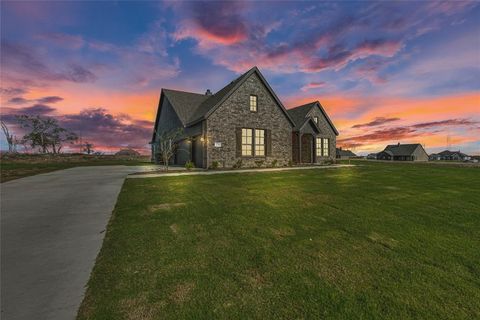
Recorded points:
(42, 135)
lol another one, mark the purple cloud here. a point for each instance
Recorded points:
(50, 99)
(18, 100)
(376, 122)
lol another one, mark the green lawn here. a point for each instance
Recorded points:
(376, 241)
(29, 165)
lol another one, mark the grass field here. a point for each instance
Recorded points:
(27, 165)
(376, 241)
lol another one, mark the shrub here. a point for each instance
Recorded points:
(189, 165)
(214, 165)
(290, 163)
(274, 163)
(238, 164)
(259, 163)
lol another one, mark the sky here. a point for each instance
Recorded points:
(385, 72)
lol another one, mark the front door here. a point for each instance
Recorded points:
(307, 146)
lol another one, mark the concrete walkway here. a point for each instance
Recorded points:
(52, 228)
(210, 172)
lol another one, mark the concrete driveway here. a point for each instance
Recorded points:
(52, 228)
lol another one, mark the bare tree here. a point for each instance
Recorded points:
(11, 139)
(88, 147)
(166, 144)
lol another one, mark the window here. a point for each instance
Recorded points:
(253, 103)
(325, 147)
(315, 119)
(319, 147)
(259, 142)
(247, 142)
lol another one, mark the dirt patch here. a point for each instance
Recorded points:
(139, 308)
(283, 232)
(166, 206)
(382, 240)
(174, 228)
(255, 278)
(181, 292)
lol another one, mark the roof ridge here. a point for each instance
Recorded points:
(182, 91)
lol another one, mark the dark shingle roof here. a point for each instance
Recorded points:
(402, 149)
(214, 99)
(184, 103)
(299, 115)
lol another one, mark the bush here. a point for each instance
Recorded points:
(189, 165)
(214, 165)
(274, 163)
(238, 164)
(290, 163)
(259, 163)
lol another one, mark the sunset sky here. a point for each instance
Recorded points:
(385, 72)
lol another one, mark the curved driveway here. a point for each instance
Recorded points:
(52, 227)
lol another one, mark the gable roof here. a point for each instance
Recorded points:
(448, 153)
(402, 149)
(210, 105)
(299, 115)
(192, 108)
(345, 153)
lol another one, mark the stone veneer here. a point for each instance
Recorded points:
(326, 132)
(235, 113)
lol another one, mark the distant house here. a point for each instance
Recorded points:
(449, 156)
(344, 154)
(403, 152)
(372, 156)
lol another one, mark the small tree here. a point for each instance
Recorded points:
(88, 148)
(11, 139)
(166, 144)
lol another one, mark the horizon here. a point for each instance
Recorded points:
(386, 73)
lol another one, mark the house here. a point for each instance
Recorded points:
(449, 156)
(313, 135)
(372, 156)
(345, 154)
(243, 122)
(403, 152)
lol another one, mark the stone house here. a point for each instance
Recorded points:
(403, 152)
(244, 122)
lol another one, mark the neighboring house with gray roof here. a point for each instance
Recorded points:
(345, 154)
(245, 121)
(448, 155)
(403, 152)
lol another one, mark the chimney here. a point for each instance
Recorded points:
(208, 93)
(398, 144)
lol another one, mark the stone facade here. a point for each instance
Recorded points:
(235, 113)
(326, 132)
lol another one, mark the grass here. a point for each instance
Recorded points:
(28, 165)
(376, 241)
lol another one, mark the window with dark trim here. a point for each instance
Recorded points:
(247, 142)
(318, 147)
(253, 103)
(253, 142)
(315, 119)
(325, 151)
(259, 142)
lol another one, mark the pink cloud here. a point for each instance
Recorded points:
(313, 85)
